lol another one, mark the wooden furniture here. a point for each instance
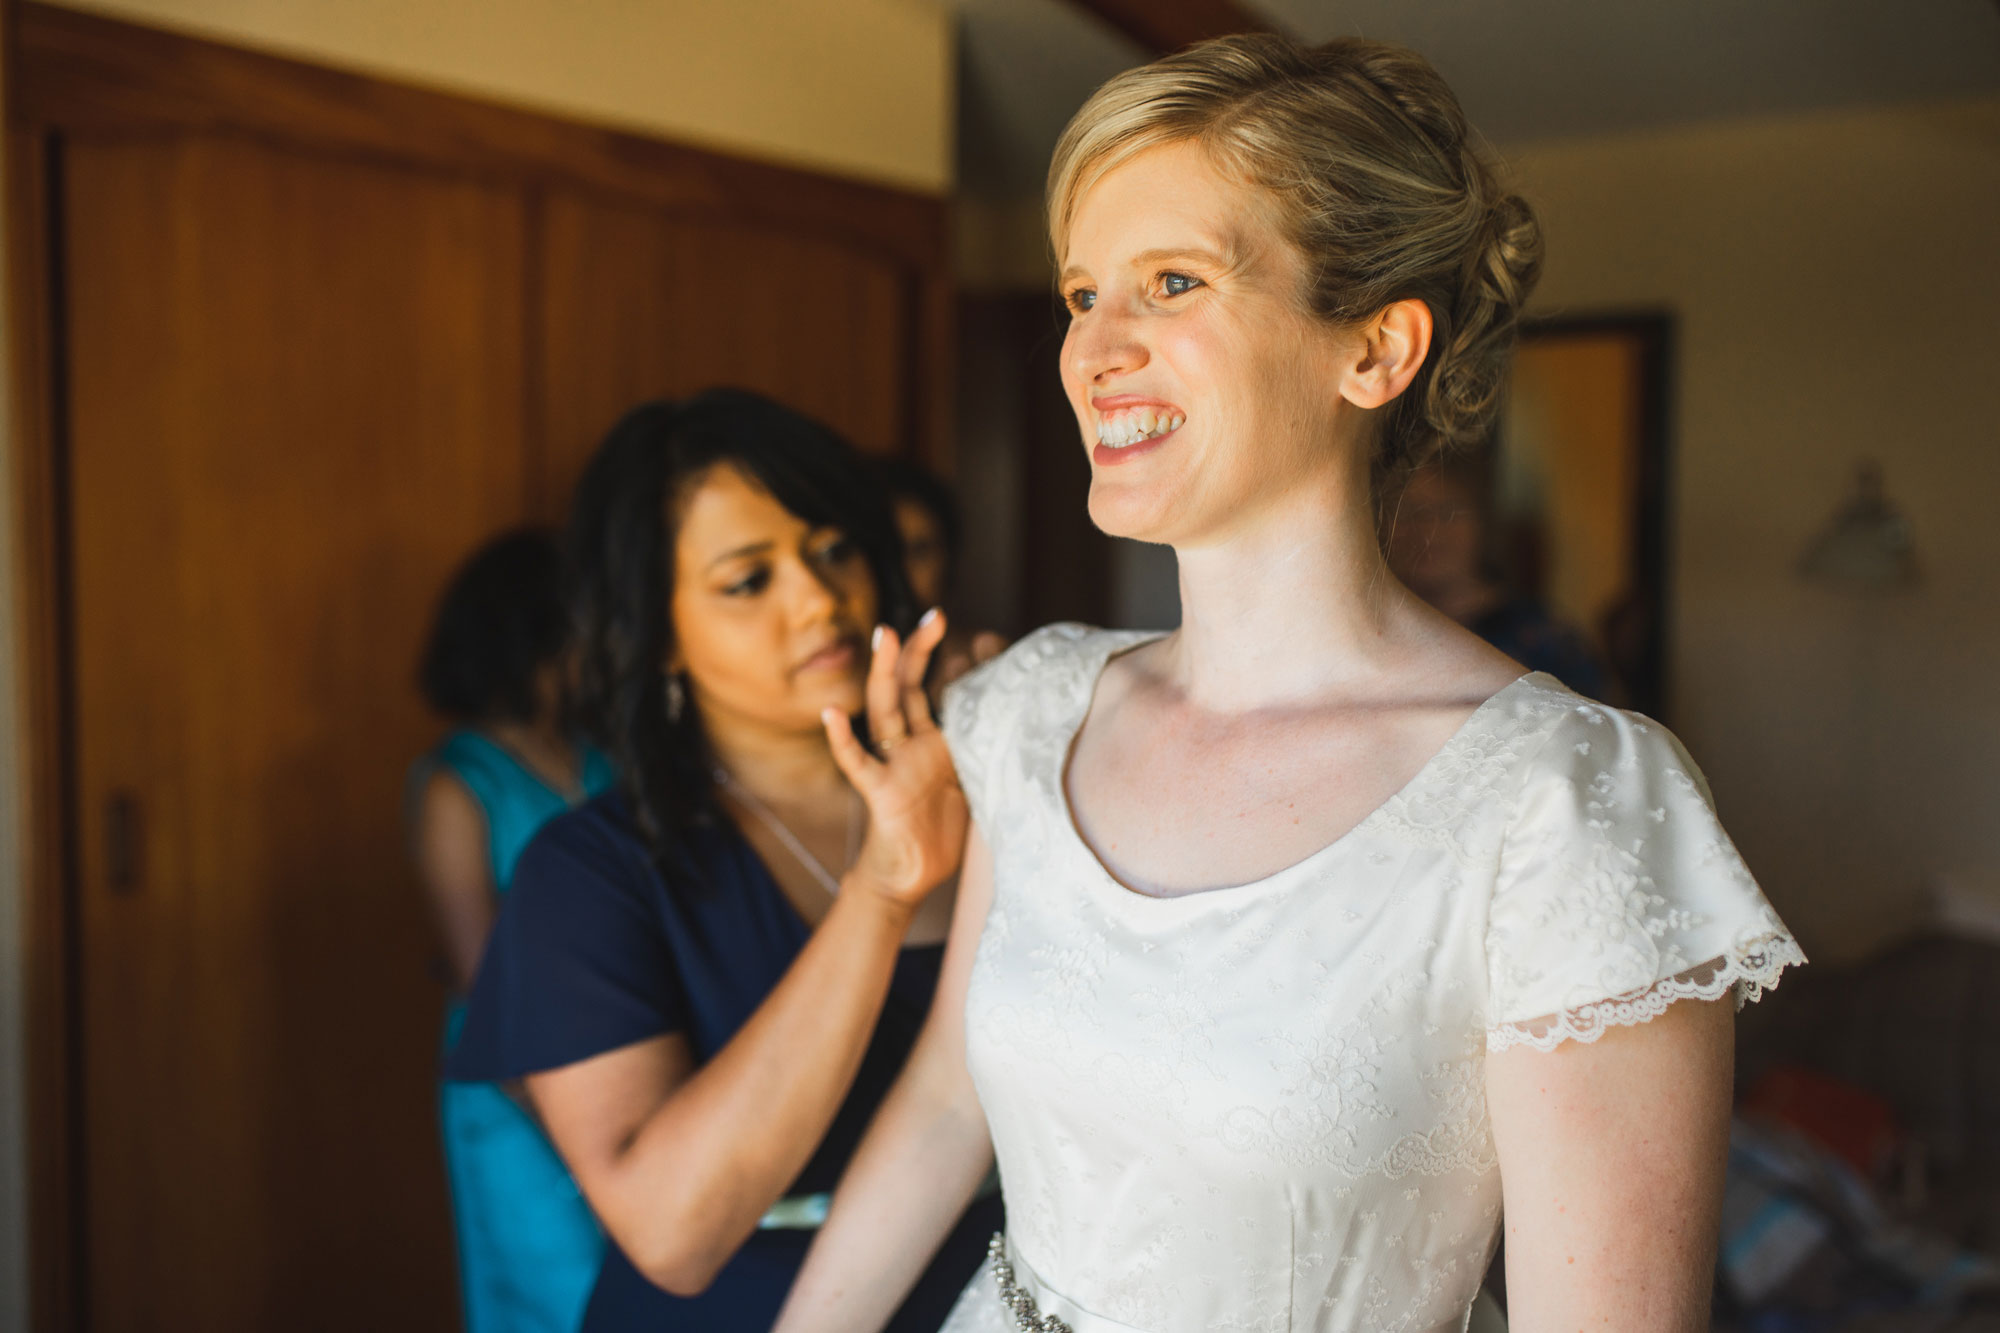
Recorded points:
(288, 343)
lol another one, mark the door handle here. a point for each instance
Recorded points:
(124, 848)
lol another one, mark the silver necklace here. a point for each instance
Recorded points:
(800, 852)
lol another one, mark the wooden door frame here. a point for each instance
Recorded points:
(67, 72)
(1164, 26)
(1654, 332)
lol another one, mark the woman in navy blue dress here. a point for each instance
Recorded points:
(709, 978)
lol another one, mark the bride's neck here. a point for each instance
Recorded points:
(1291, 607)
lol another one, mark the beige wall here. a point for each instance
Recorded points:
(857, 87)
(1837, 284)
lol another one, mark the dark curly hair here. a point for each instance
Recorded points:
(621, 556)
(500, 621)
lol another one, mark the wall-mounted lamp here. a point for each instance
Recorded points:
(1869, 544)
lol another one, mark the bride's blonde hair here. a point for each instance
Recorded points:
(1378, 181)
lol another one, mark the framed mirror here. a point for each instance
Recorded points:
(1551, 541)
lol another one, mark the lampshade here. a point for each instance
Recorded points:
(1869, 544)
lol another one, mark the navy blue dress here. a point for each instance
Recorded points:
(595, 949)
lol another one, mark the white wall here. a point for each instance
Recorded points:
(860, 88)
(1837, 283)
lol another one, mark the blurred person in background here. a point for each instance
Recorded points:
(709, 978)
(928, 520)
(1438, 538)
(528, 1248)
(933, 532)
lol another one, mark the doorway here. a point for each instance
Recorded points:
(1579, 490)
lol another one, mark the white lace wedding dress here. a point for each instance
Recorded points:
(1262, 1107)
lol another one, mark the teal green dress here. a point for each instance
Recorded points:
(528, 1248)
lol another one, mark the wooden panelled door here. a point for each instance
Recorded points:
(298, 341)
(640, 304)
(293, 405)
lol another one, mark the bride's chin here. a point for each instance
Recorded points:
(1139, 514)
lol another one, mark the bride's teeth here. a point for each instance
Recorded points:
(1128, 428)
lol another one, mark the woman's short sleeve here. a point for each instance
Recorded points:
(578, 963)
(964, 700)
(1618, 891)
(983, 707)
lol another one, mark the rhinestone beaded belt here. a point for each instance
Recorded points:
(1027, 1315)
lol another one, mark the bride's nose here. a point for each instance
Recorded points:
(1103, 344)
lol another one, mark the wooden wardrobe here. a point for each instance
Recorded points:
(289, 343)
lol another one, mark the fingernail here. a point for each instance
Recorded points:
(827, 715)
(929, 616)
(875, 642)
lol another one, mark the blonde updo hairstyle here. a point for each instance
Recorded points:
(1377, 180)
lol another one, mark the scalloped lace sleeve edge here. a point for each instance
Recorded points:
(1749, 970)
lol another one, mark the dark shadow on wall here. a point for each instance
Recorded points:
(1032, 553)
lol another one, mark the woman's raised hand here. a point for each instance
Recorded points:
(916, 812)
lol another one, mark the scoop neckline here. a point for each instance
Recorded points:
(1101, 874)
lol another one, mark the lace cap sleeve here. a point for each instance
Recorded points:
(965, 701)
(1618, 891)
(982, 709)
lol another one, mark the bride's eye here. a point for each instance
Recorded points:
(1080, 299)
(1178, 284)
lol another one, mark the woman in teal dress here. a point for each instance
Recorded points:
(528, 1247)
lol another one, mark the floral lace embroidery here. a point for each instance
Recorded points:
(1749, 973)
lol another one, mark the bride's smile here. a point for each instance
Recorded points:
(1125, 421)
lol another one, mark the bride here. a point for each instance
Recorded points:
(1297, 948)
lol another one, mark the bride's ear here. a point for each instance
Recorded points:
(1392, 349)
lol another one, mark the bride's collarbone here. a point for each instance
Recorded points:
(1172, 803)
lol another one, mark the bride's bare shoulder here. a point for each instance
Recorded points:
(1453, 667)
